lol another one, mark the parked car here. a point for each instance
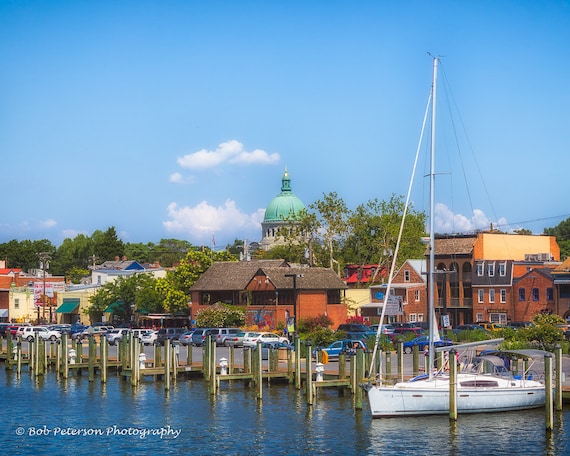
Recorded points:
(29, 333)
(199, 336)
(402, 324)
(138, 332)
(470, 327)
(237, 339)
(149, 337)
(406, 333)
(251, 339)
(186, 338)
(13, 329)
(95, 331)
(61, 328)
(4, 328)
(518, 324)
(356, 330)
(491, 326)
(114, 336)
(347, 346)
(171, 334)
(221, 334)
(422, 341)
(386, 329)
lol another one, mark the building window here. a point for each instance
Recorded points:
(417, 295)
(480, 269)
(491, 269)
(481, 296)
(479, 317)
(420, 317)
(503, 295)
(412, 318)
(522, 294)
(503, 269)
(549, 294)
(407, 275)
(491, 295)
(535, 294)
(16, 303)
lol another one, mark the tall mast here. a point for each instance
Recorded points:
(431, 298)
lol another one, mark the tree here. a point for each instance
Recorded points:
(332, 216)
(562, 234)
(107, 245)
(24, 254)
(374, 228)
(73, 254)
(193, 266)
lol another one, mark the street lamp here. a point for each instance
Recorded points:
(294, 276)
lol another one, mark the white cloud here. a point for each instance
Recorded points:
(178, 178)
(49, 223)
(230, 152)
(448, 222)
(200, 222)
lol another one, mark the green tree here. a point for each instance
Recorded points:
(374, 228)
(193, 266)
(25, 254)
(545, 332)
(73, 254)
(107, 245)
(562, 234)
(331, 216)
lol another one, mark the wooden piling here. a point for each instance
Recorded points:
(400, 354)
(167, 359)
(342, 366)
(549, 409)
(259, 372)
(297, 362)
(558, 377)
(415, 361)
(388, 364)
(452, 385)
(358, 393)
(91, 360)
(18, 358)
(309, 374)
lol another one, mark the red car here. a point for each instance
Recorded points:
(406, 333)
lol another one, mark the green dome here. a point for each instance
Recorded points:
(285, 204)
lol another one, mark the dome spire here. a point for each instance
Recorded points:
(286, 182)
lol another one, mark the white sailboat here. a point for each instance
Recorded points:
(483, 384)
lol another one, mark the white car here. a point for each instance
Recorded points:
(251, 339)
(29, 333)
(116, 335)
(148, 337)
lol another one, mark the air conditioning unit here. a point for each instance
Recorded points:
(544, 256)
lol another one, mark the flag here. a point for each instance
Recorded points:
(213, 241)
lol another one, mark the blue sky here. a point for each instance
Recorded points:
(176, 119)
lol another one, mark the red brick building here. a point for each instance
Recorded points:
(271, 290)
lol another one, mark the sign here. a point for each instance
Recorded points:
(394, 305)
(445, 321)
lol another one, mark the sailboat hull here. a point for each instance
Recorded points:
(479, 394)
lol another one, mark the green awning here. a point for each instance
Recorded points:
(113, 307)
(68, 306)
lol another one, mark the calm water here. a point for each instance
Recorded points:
(109, 419)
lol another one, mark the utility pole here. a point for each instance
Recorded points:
(44, 258)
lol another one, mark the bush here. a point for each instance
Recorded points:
(220, 316)
(311, 324)
(321, 337)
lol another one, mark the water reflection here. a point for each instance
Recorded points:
(235, 422)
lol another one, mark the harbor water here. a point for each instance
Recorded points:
(50, 415)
